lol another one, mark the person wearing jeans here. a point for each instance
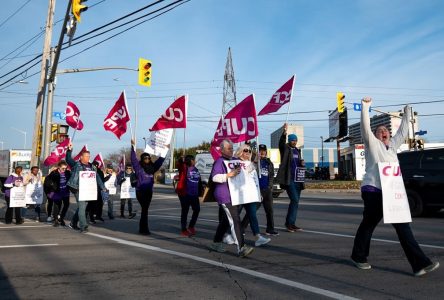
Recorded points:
(73, 183)
(286, 176)
(123, 176)
(381, 147)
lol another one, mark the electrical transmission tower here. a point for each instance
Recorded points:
(229, 86)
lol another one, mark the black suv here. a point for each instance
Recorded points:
(423, 174)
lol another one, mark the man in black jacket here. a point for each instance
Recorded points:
(286, 176)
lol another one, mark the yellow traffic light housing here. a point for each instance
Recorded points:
(77, 8)
(144, 72)
(340, 100)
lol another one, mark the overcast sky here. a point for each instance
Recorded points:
(390, 50)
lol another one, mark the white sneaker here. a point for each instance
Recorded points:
(228, 239)
(261, 241)
(49, 219)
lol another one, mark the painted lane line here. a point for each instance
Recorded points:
(276, 279)
(24, 246)
(309, 231)
(7, 226)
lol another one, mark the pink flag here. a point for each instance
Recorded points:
(121, 166)
(58, 153)
(280, 98)
(99, 159)
(84, 148)
(238, 125)
(117, 118)
(174, 117)
(73, 116)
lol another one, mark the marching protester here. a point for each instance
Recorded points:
(124, 176)
(73, 183)
(15, 179)
(144, 170)
(229, 219)
(266, 169)
(56, 189)
(188, 189)
(106, 197)
(244, 154)
(380, 147)
(286, 176)
(33, 177)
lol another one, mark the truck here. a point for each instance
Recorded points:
(12, 158)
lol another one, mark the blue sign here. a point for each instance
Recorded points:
(421, 132)
(358, 107)
(59, 114)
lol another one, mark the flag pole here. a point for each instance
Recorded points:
(184, 133)
(291, 97)
(131, 127)
(258, 157)
(75, 130)
(185, 129)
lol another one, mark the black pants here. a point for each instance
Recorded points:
(372, 215)
(65, 201)
(49, 205)
(229, 221)
(10, 211)
(185, 203)
(56, 208)
(267, 201)
(144, 197)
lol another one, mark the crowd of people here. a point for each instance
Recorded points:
(381, 147)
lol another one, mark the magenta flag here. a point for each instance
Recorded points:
(73, 116)
(58, 153)
(280, 98)
(117, 118)
(174, 117)
(99, 159)
(84, 149)
(238, 125)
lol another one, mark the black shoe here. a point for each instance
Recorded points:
(122, 216)
(272, 232)
(132, 215)
(72, 226)
(145, 232)
(111, 217)
(56, 223)
(20, 222)
(84, 230)
(92, 221)
(8, 223)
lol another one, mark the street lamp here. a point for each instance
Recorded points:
(322, 150)
(135, 107)
(23, 132)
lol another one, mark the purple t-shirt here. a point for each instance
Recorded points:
(294, 162)
(193, 177)
(221, 191)
(64, 191)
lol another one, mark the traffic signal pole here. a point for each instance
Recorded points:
(36, 137)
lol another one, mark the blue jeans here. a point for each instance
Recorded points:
(294, 193)
(250, 215)
(80, 215)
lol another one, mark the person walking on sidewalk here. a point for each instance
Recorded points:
(145, 170)
(286, 176)
(381, 147)
(229, 219)
(188, 189)
(13, 180)
(73, 183)
(56, 189)
(244, 153)
(126, 176)
(266, 169)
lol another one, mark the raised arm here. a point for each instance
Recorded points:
(403, 131)
(366, 130)
(136, 166)
(71, 162)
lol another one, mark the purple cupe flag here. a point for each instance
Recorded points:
(280, 98)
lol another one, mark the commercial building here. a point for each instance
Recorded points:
(291, 129)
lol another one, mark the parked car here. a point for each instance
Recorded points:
(423, 174)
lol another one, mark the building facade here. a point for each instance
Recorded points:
(291, 128)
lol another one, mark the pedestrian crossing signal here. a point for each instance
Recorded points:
(340, 100)
(144, 72)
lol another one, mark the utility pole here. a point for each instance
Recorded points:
(36, 138)
(229, 86)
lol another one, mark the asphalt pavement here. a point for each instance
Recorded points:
(112, 261)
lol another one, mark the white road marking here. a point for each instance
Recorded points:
(309, 231)
(8, 226)
(24, 246)
(310, 203)
(276, 279)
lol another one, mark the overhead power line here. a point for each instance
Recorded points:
(19, 9)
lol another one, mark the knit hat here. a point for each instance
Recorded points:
(292, 137)
(143, 155)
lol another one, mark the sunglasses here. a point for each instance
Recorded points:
(247, 150)
(63, 169)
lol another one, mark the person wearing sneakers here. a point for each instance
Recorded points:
(229, 219)
(56, 189)
(244, 154)
(188, 189)
(124, 176)
(381, 147)
(266, 187)
(286, 176)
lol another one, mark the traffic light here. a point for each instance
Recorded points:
(54, 131)
(77, 8)
(39, 141)
(144, 72)
(340, 99)
(420, 144)
(62, 133)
